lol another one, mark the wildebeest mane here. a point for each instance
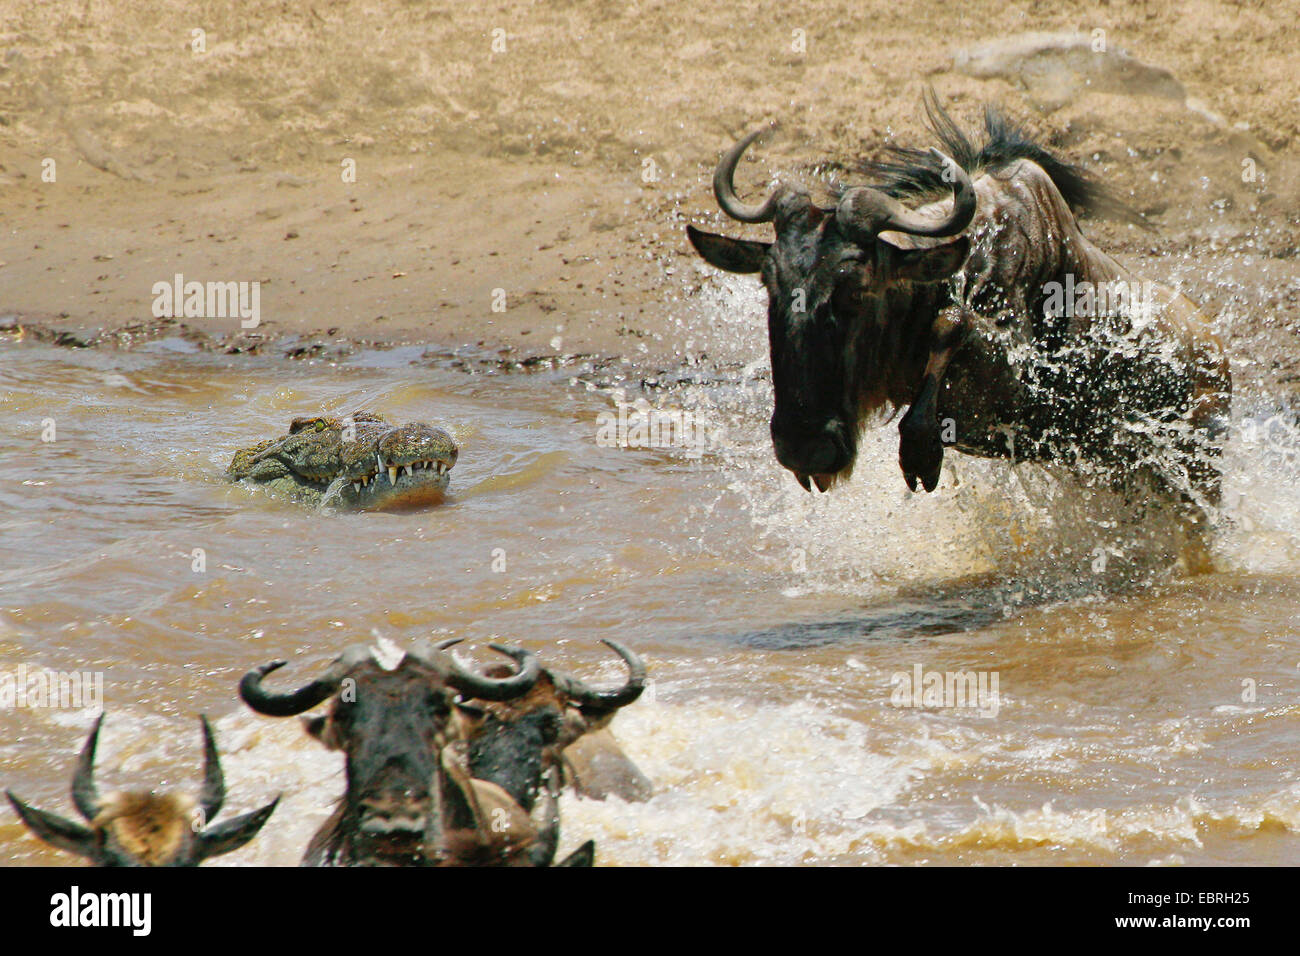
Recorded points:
(910, 173)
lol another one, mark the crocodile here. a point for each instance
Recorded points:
(358, 463)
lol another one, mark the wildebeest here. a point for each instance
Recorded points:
(141, 828)
(410, 798)
(594, 764)
(525, 745)
(958, 311)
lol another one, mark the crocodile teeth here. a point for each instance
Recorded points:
(356, 487)
(392, 474)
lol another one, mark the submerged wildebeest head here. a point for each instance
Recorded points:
(838, 342)
(146, 829)
(394, 727)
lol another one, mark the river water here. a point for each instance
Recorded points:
(1141, 716)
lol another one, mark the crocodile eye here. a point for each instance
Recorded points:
(320, 425)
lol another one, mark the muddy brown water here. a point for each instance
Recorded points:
(1141, 716)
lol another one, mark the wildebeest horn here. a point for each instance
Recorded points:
(869, 212)
(434, 655)
(231, 835)
(494, 688)
(84, 793)
(54, 829)
(608, 699)
(476, 685)
(724, 187)
(275, 704)
(213, 794)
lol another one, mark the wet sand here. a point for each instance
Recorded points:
(523, 172)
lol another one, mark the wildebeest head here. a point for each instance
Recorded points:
(829, 277)
(515, 743)
(145, 829)
(393, 727)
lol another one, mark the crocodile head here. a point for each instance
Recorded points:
(358, 463)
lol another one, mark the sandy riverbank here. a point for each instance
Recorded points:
(553, 151)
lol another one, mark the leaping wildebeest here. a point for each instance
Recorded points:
(984, 311)
(142, 828)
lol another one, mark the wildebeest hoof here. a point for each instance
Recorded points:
(929, 481)
(920, 454)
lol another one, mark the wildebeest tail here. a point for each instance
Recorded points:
(907, 172)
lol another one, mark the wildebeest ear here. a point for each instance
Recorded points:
(231, 835)
(929, 265)
(315, 727)
(55, 830)
(732, 255)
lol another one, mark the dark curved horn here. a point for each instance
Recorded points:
(234, 833)
(54, 829)
(84, 793)
(213, 794)
(281, 705)
(434, 655)
(584, 855)
(608, 699)
(490, 688)
(275, 704)
(869, 212)
(724, 187)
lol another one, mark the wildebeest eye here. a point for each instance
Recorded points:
(436, 702)
(851, 259)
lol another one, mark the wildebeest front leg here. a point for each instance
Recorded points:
(920, 445)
